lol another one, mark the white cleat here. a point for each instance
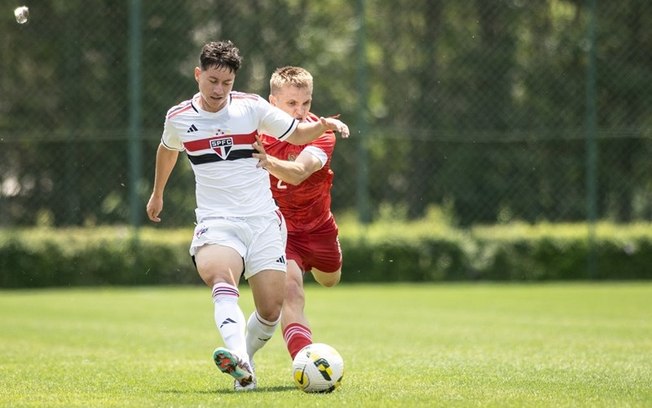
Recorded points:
(237, 386)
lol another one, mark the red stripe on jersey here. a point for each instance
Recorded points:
(203, 144)
(181, 108)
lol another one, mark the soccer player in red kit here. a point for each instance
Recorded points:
(301, 181)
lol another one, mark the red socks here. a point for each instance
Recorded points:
(296, 337)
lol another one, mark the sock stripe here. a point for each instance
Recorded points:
(296, 337)
(224, 289)
(294, 330)
(266, 322)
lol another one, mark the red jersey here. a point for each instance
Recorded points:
(308, 205)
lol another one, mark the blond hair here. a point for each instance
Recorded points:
(294, 76)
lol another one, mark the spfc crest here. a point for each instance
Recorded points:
(222, 146)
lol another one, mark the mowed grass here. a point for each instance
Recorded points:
(501, 345)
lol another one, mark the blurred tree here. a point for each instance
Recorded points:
(479, 105)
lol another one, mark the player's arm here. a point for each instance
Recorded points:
(165, 161)
(290, 172)
(306, 132)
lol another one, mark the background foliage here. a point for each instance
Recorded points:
(480, 107)
(385, 251)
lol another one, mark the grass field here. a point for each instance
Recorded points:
(404, 345)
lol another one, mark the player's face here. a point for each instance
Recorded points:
(294, 101)
(215, 84)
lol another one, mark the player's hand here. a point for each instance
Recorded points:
(333, 123)
(263, 158)
(154, 208)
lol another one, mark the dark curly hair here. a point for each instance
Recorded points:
(220, 54)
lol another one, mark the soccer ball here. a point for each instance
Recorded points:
(318, 367)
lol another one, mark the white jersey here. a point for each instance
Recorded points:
(219, 146)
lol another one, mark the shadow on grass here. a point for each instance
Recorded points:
(279, 388)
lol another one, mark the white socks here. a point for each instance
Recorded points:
(259, 331)
(229, 319)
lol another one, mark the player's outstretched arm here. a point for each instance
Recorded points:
(306, 132)
(291, 172)
(165, 161)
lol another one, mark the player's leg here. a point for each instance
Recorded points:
(327, 279)
(267, 289)
(220, 267)
(265, 267)
(294, 323)
(326, 256)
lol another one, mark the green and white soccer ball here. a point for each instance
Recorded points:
(318, 367)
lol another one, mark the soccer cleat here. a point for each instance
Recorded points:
(232, 365)
(252, 385)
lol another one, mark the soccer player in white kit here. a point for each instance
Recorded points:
(239, 228)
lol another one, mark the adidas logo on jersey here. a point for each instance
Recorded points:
(192, 128)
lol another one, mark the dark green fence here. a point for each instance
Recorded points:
(494, 110)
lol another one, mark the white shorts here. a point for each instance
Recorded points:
(259, 240)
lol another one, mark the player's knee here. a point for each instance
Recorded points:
(327, 279)
(269, 307)
(331, 282)
(271, 313)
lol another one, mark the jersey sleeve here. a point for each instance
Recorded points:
(323, 147)
(171, 138)
(318, 153)
(274, 121)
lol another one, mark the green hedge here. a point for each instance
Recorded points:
(383, 252)
(80, 257)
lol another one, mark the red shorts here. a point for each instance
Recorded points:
(319, 248)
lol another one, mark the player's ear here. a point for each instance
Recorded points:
(272, 100)
(197, 73)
